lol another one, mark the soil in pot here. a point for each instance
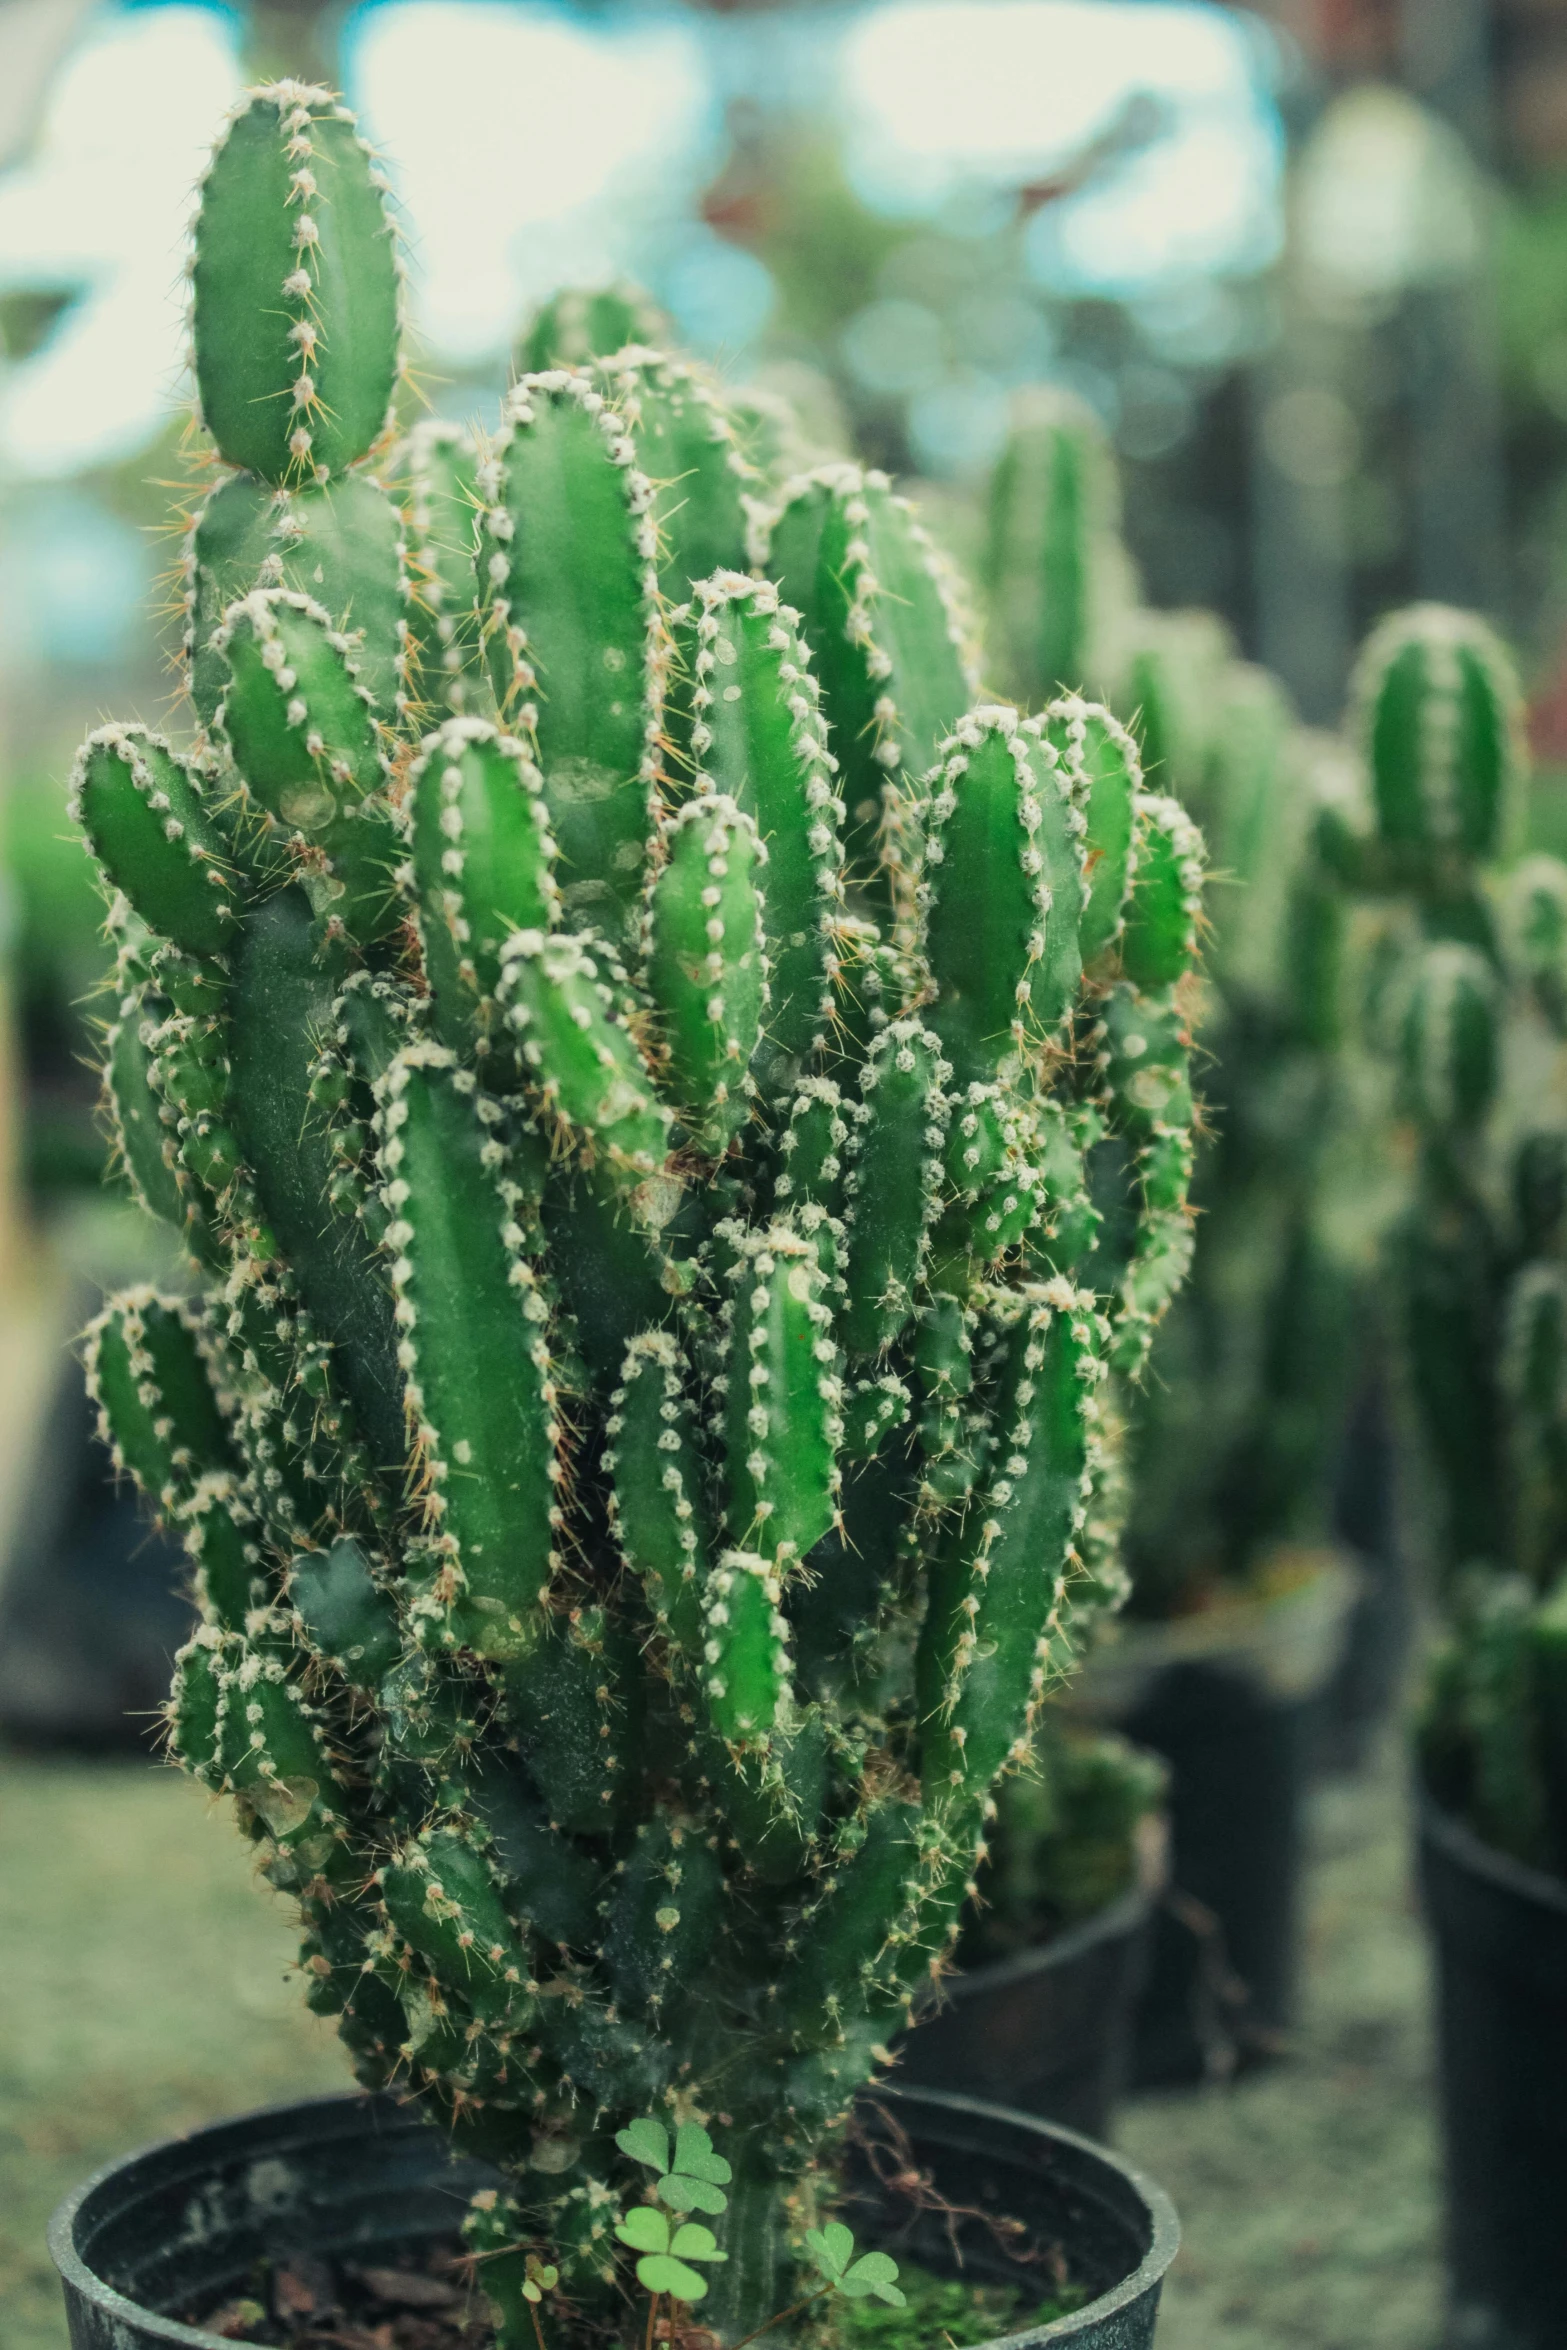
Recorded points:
(429, 2302)
(358, 2185)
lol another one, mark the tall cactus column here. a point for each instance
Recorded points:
(640, 1442)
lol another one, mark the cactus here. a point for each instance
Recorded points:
(1230, 1444)
(1478, 1041)
(1050, 542)
(639, 1438)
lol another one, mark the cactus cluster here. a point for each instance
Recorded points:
(1470, 1009)
(625, 1034)
(1231, 1446)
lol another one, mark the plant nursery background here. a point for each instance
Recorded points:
(1304, 262)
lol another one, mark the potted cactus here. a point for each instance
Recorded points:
(1237, 1600)
(620, 1037)
(1471, 1010)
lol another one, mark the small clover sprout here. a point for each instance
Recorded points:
(694, 2179)
(662, 2267)
(832, 2250)
(539, 2280)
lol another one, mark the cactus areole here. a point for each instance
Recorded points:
(643, 1435)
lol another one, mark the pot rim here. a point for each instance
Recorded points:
(1466, 1850)
(1164, 2240)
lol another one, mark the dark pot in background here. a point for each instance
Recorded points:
(1500, 1937)
(1232, 1700)
(1048, 2032)
(1362, 1695)
(185, 2222)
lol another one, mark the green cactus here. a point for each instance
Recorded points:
(1231, 1445)
(640, 1440)
(1478, 1039)
(1050, 544)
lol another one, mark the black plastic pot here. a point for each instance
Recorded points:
(1220, 1985)
(182, 2224)
(1049, 2031)
(1500, 1936)
(1231, 1699)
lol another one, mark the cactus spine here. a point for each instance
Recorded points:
(650, 1291)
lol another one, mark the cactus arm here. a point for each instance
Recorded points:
(995, 1614)
(339, 542)
(581, 324)
(1098, 749)
(480, 1392)
(658, 1506)
(274, 1752)
(296, 289)
(1002, 832)
(764, 745)
(144, 812)
(872, 1409)
(894, 1184)
(813, 1147)
(1159, 945)
(483, 865)
(284, 1001)
(888, 638)
(151, 1373)
(705, 964)
(581, 1059)
(1051, 512)
(437, 472)
(303, 732)
(1533, 1383)
(1145, 1046)
(686, 446)
(782, 1406)
(143, 1139)
(1438, 710)
(745, 1650)
(572, 632)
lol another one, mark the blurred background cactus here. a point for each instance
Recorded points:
(1470, 1015)
(1233, 1446)
(641, 1439)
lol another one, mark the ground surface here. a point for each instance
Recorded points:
(143, 1990)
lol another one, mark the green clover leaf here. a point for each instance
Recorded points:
(831, 2248)
(873, 2272)
(695, 2157)
(683, 2193)
(644, 2229)
(660, 2273)
(694, 2242)
(540, 2279)
(645, 2141)
(664, 2269)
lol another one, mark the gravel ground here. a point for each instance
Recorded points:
(145, 1990)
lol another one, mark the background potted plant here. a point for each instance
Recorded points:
(639, 1436)
(1471, 1012)
(1238, 1597)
